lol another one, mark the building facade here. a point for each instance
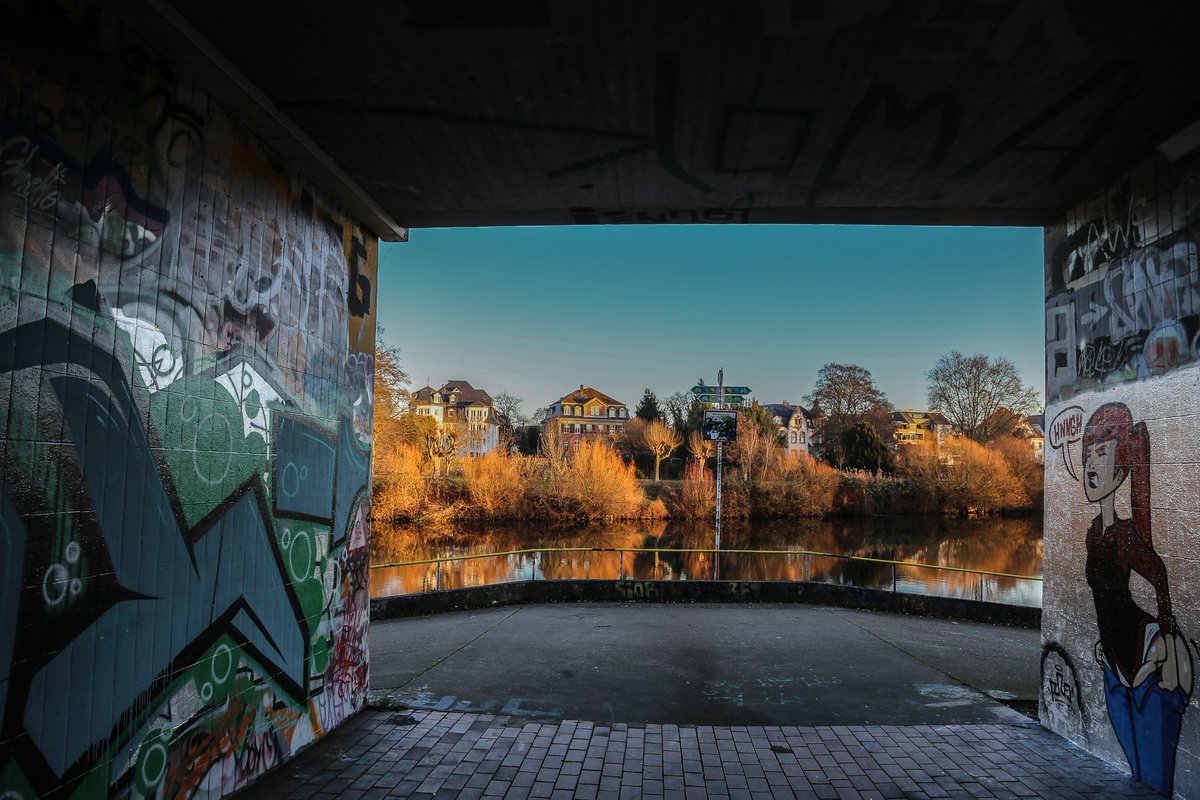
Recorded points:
(796, 427)
(460, 406)
(921, 427)
(586, 414)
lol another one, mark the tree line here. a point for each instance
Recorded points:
(984, 469)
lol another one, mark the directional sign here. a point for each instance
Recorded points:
(726, 390)
(716, 398)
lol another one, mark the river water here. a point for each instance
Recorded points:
(1010, 545)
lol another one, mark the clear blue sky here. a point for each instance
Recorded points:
(536, 311)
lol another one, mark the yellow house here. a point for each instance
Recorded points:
(586, 413)
(912, 427)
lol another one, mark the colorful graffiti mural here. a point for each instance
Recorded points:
(1122, 372)
(1117, 668)
(186, 339)
(1123, 287)
(1145, 658)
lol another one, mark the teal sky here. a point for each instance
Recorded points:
(536, 311)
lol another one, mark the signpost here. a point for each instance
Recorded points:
(720, 426)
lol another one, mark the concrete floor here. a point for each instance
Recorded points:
(707, 665)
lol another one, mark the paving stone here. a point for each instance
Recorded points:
(460, 756)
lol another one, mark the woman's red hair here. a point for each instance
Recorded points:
(1114, 422)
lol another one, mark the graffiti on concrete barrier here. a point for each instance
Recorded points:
(185, 434)
(1062, 703)
(1122, 290)
(1133, 659)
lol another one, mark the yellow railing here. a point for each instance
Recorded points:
(808, 555)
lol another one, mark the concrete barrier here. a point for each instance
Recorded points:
(632, 591)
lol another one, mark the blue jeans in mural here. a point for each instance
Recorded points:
(1146, 719)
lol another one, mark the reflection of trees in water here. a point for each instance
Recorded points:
(1011, 545)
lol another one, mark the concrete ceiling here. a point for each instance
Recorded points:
(482, 112)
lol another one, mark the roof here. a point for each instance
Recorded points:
(587, 393)
(920, 418)
(785, 411)
(1037, 423)
(464, 395)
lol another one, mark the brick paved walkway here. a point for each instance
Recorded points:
(425, 754)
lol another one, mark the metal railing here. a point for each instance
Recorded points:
(622, 574)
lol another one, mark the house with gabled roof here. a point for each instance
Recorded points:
(586, 414)
(469, 410)
(796, 427)
(1033, 430)
(913, 427)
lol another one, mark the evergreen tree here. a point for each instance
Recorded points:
(863, 448)
(648, 409)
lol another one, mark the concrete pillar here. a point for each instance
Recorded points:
(186, 363)
(1123, 475)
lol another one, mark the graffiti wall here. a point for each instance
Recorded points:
(186, 340)
(1122, 593)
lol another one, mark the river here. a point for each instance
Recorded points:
(1008, 545)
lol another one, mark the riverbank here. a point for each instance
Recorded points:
(594, 483)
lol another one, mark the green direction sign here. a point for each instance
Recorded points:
(716, 398)
(713, 390)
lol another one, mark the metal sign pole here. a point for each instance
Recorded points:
(720, 453)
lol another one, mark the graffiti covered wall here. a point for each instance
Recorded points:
(186, 340)
(1122, 593)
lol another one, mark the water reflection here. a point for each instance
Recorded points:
(1009, 545)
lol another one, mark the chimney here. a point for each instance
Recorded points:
(581, 387)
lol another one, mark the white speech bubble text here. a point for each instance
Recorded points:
(1067, 427)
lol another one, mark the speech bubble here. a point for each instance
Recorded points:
(1067, 427)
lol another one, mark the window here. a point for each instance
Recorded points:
(793, 437)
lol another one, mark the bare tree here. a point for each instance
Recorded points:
(391, 397)
(442, 445)
(700, 448)
(676, 409)
(508, 408)
(983, 397)
(846, 394)
(757, 441)
(552, 446)
(661, 441)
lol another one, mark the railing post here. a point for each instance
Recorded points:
(981, 587)
(439, 575)
(621, 563)
(893, 577)
(807, 566)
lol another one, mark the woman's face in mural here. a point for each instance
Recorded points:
(1101, 477)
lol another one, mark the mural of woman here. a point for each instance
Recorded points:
(1147, 666)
